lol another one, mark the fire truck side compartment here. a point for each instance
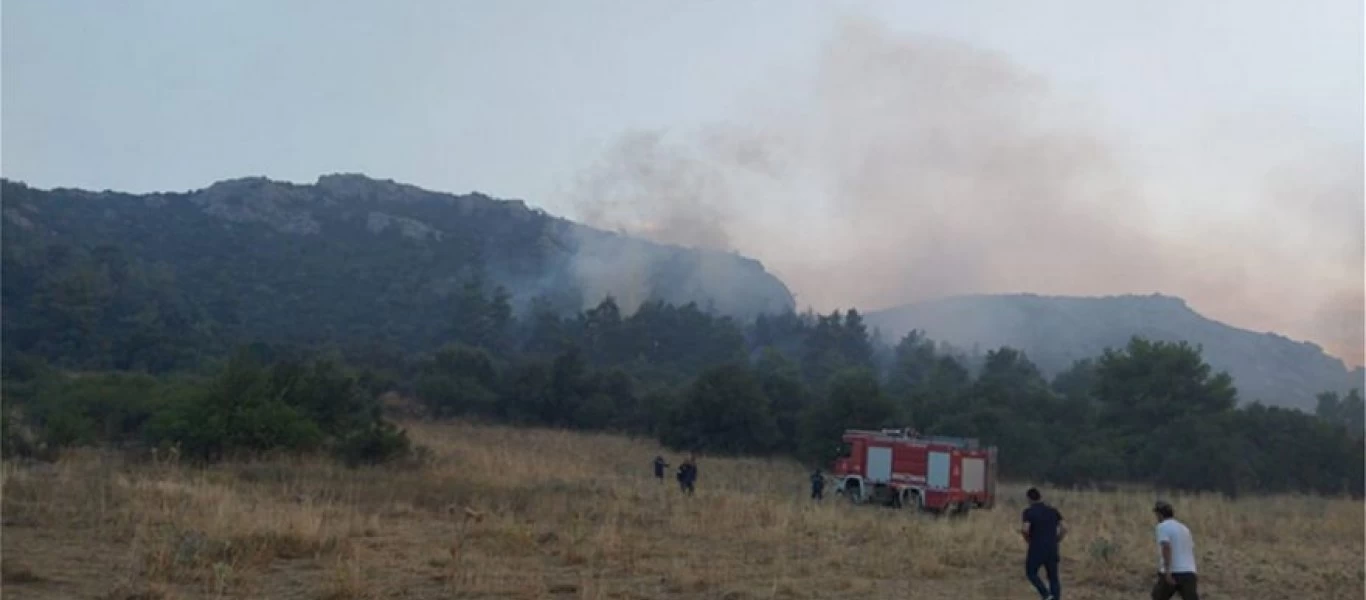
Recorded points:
(974, 475)
(879, 464)
(937, 476)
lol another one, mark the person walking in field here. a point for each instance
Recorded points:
(817, 484)
(687, 475)
(1042, 529)
(1176, 557)
(660, 464)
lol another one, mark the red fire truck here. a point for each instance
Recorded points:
(901, 468)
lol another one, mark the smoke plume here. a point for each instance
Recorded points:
(904, 168)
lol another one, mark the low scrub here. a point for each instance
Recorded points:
(245, 409)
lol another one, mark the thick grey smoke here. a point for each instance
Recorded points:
(905, 168)
(647, 188)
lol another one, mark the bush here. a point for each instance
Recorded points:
(380, 442)
(247, 408)
(76, 411)
(210, 426)
(15, 442)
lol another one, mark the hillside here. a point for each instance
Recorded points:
(162, 281)
(348, 258)
(1056, 331)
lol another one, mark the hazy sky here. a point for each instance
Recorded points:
(870, 153)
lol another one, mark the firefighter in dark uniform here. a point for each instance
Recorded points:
(660, 464)
(817, 484)
(687, 475)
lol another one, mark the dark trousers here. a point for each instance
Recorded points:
(1186, 586)
(816, 493)
(1050, 566)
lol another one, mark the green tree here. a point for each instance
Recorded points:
(1075, 389)
(527, 396)
(601, 332)
(1149, 385)
(724, 411)
(855, 401)
(546, 332)
(1348, 411)
(787, 396)
(1293, 451)
(325, 393)
(855, 345)
(1012, 405)
(482, 320)
(929, 386)
(237, 413)
(609, 401)
(459, 380)
(1199, 453)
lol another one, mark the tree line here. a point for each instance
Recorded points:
(110, 354)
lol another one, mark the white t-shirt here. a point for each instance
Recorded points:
(1183, 547)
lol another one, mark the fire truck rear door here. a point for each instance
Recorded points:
(974, 475)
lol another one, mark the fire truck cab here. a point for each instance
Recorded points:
(901, 468)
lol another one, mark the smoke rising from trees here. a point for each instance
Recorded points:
(908, 167)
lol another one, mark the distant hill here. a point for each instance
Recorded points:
(1056, 331)
(167, 278)
(348, 258)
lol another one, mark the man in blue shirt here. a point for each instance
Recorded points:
(1042, 529)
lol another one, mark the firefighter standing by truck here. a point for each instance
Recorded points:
(817, 484)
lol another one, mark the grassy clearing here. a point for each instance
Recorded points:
(513, 513)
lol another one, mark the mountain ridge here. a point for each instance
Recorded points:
(288, 208)
(1056, 330)
(351, 255)
(346, 261)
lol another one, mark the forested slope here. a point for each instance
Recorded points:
(347, 260)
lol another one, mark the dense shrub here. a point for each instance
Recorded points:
(377, 442)
(246, 408)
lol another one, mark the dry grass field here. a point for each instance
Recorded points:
(507, 513)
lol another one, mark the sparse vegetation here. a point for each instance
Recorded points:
(532, 513)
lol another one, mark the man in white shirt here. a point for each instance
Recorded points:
(1176, 554)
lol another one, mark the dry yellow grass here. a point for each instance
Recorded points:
(510, 513)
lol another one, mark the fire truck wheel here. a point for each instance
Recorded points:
(913, 501)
